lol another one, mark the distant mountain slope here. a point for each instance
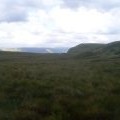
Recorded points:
(112, 48)
(11, 49)
(87, 47)
(91, 49)
(36, 50)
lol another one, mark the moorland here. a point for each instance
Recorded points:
(83, 84)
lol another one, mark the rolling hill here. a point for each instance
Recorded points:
(90, 49)
(87, 47)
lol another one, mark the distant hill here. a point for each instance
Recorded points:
(91, 49)
(36, 50)
(87, 47)
(112, 48)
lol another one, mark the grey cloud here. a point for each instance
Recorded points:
(13, 16)
(17, 10)
(12, 11)
(113, 31)
(99, 4)
(72, 3)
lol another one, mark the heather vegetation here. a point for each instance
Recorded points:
(60, 86)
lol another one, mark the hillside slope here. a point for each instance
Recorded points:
(112, 48)
(87, 47)
(86, 50)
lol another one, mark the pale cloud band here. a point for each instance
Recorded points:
(58, 23)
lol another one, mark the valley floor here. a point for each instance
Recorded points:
(58, 87)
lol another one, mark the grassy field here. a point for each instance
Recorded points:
(59, 87)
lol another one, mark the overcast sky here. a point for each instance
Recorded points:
(58, 23)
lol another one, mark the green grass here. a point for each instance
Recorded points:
(59, 87)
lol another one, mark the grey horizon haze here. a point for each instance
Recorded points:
(58, 23)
